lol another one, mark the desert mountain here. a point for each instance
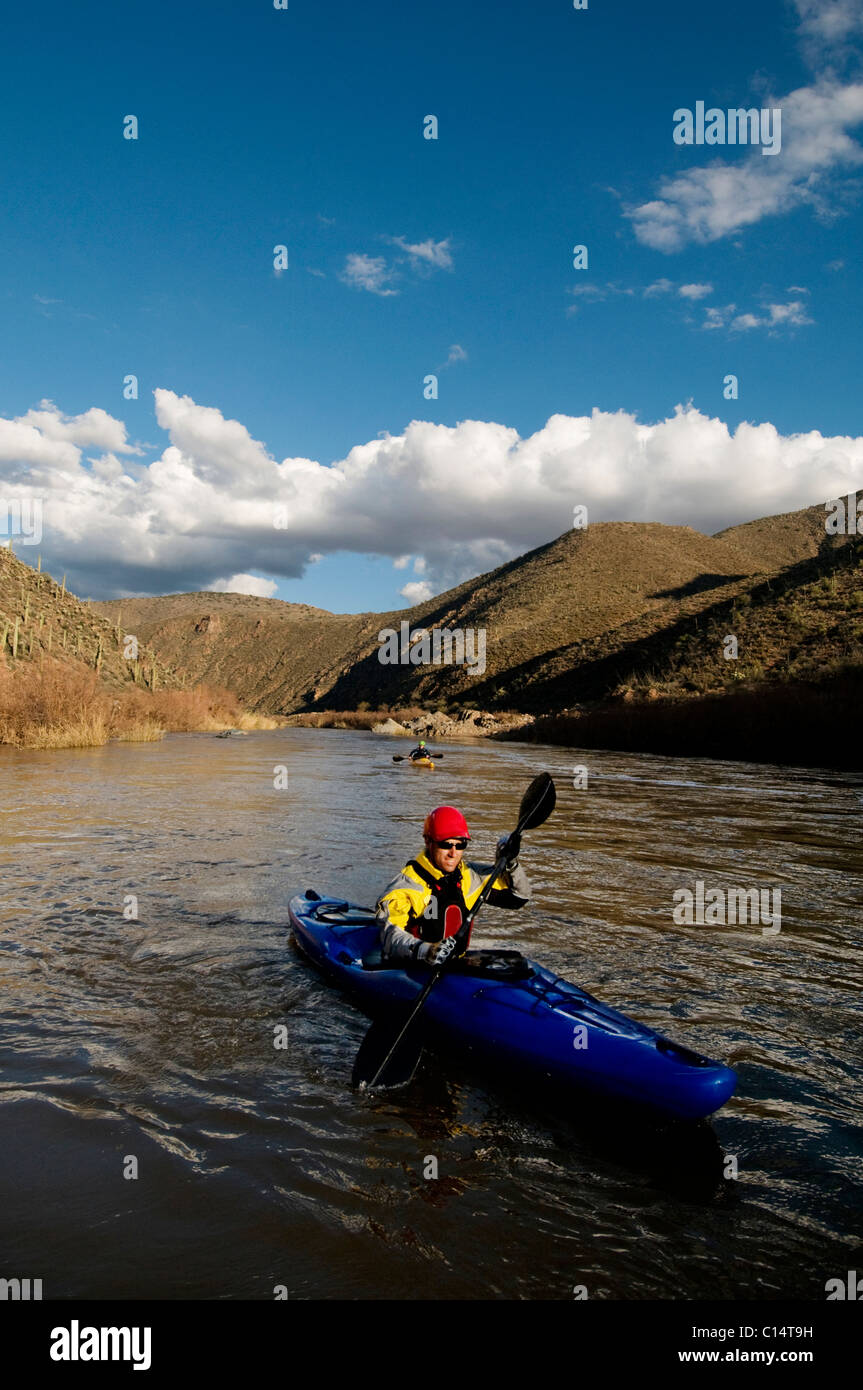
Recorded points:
(39, 618)
(566, 622)
(782, 540)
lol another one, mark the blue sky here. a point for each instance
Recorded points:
(407, 256)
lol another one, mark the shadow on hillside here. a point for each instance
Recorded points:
(577, 678)
(797, 724)
(580, 672)
(699, 585)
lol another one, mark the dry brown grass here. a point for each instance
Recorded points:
(90, 731)
(54, 706)
(58, 705)
(249, 720)
(139, 731)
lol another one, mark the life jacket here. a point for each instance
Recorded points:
(439, 919)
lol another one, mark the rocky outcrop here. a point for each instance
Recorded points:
(390, 726)
(468, 723)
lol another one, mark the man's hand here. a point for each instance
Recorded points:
(436, 953)
(510, 844)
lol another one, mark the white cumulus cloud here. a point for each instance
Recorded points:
(428, 252)
(245, 584)
(417, 592)
(793, 313)
(745, 321)
(828, 24)
(658, 287)
(94, 428)
(771, 317)
(209, 510)
(715, 200)
(368, 273)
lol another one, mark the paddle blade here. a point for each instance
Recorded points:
(537, 803)
(374, 1047)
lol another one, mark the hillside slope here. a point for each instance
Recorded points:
(789, 626)
(288, 657)
(588, 615)
(39, 618)
(781, 540)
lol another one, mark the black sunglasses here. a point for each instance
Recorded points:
(451, 844)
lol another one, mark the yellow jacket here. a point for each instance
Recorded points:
(404, 901)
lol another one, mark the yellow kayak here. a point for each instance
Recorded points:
(421, 762)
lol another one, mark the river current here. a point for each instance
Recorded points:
(155, 1143)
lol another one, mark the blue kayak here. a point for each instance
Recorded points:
(500, 1008)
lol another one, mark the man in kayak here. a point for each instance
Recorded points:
(422, 909)
(419, 752)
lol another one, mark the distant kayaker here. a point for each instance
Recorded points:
(412, 912)
(416, 754)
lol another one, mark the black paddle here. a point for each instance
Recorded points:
(406, 758)
(384, 1058)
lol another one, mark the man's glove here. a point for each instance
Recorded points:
(436, 953)
(511, 844)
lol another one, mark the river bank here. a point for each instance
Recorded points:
(798, 724)
(417, 723)
(57, 705)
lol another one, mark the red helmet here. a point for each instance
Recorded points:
(443, 822)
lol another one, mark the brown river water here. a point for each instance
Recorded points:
(148, 1045)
